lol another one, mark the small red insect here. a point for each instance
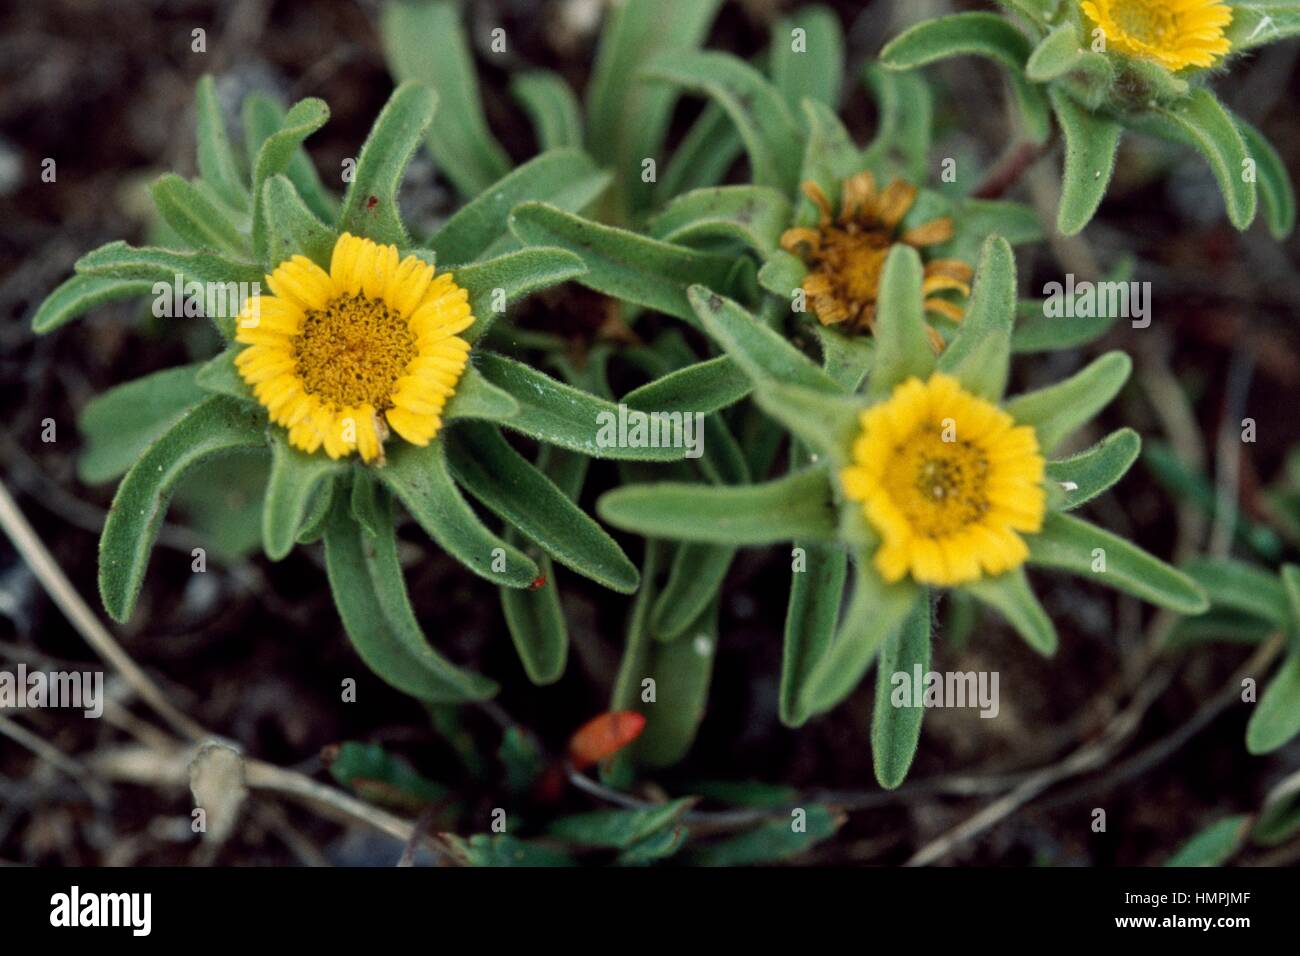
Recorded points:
(604, 736)
(372, 202)
(538, 582)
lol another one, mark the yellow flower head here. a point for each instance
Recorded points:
(846, 254)
(341, 357)
(947, 480)
(1174, 33)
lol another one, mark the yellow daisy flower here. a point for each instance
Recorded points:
(845, 255)
(341, 357)
(947, 479)
(1174, 33)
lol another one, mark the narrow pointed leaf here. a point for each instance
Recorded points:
(212, 427)
(370, 594)
(752, 215)
(511, 277)
(511, 487)
(902, 348)
(1276, 191)
(814, 66)
(979, 356)
(293, 228)
(277, 154)
(1091, 141)
(200, 221)
(420, 479)
(708, 150)
(1238, 586)
(766, 125)
(551, 105)
(906, 114)
(565, 178)
(426, 42)
(794, 507)
(681, 671)
(623, 264)
(263, 118)
(1011, 596)
(218, 163)
(79, 294)
(125, 420)
(815, 596)
(763, 354)
(1069, 544)
(876, 610)
(694, 579)
(1277, 715)
(702, 387)
(559, 414)
(896, 731)
(1057, 411)
(290, 491)
(1215, 845)
(1086, 475)
(370, 205)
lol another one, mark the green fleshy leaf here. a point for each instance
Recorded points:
(293, 228)
(551, 105)
(1094, 471)
(1277, 715)
(846, 358)
(1201, 121)
(218, 163)
(1238, 586)
(1068, 544)
(782, 275)
(896, 731)
(619, 829)
(1291, 584)
(626, 117)
(263, 118)
(767, 127)
(476, 397)
(626, 693)
(902, 347)
(125, 420)
(981, 34)
(290, 491)
(1091, 141)
(199, 220)
(221, 377)
(1038, 331)
(1217, 625)
(875, 612)
(1279, 819)
(1057, 411)
(710, 147)
(426, 42)
(826, 423)
(1259, 22)
(794, 507)
(516, 275)
(370, 204)
(903, 131)
(829, 157)
(979, 356)
(974, 220)
(420, 479)
(1062, 53)
(370, 594)
(565, 178)
(762, 353)
(534, 615)
(1276, 192)
(703, 387)
(657, 846)
(318, 515)
(623, 264)
(221, 502)
(681, 671)
(815, 69)
(694, 580)
(275, 157)
(1011, 596)
(755, 216)
(815, 596)
(79, 294)
(1215, 845)
(772, 841)
(559, 414)
(212, 427)
(512, 488)
(221, 277)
